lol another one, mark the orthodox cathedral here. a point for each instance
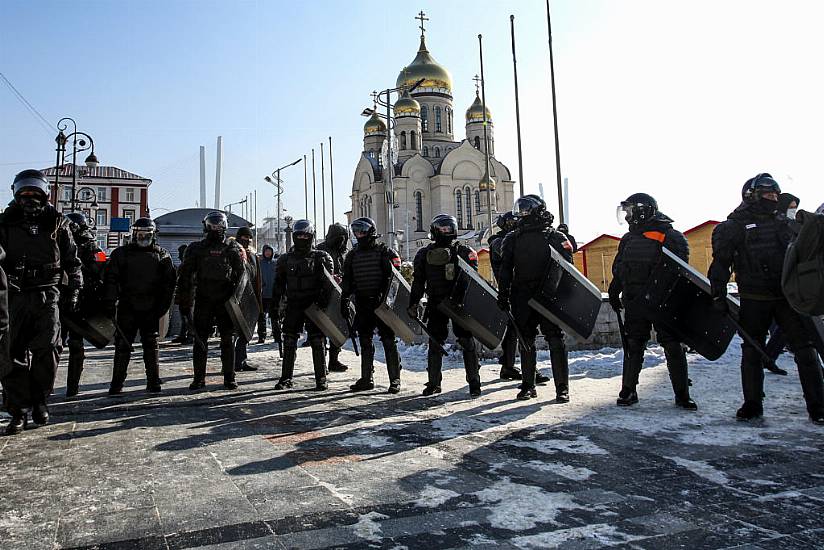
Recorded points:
(432, 172)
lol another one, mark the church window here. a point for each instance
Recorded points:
(425, 151)
(477, 202)
(424, 118)
(468, 208)
(419, 210)
(438, 120)
(477, 142)
(437, 152)
(403, 141)
(459, 208)
(413, 140)
(448, 120)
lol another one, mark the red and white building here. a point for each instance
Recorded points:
(117, 194)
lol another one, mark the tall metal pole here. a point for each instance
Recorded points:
(255, 222)
(74, 172)
(314, 193)
(277, 214)
(388, 170)
(61, 148)
(486, 138)
(305, 187)
(517, 107)
(331, 179)
(323, 187)
(561, 216)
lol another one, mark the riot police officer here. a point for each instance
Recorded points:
(93, 260)
(211, 270)
(752, 243)
(435, 271)
(564, 228)
(637, 258)
(367, 273)
(509, 345)
(40, 251)
(300, 277)
(525, 265)
(139, 283)
(336, 243)
(252, 265)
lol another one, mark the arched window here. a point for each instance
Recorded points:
(468, 208)
(459, 208)
(478, 202)
(477, 142)
(403, 141)
(425, 151)
(419, 210)
(448, 120)
(438, 120)
(413, 140)
(437, 152)
(424, 118)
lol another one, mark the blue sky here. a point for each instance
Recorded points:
(684, 100)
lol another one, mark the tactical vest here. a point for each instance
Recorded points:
(214, 269)
(640, 256)
(32, 256)
(368, 271)
(441, 269)
(533, 259)
(141, 277)
(759, 262)
(303, 275)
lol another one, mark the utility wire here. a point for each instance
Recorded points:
(40, 118)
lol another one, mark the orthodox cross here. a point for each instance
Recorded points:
(422, 17)
(477, 80)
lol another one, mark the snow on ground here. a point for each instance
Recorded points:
(600, 533)
(701, 469)
(517, 507)
(368, 526)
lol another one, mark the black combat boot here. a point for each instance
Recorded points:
(366, 381)
(560, 368)
(627, 397)
(684, 401)
(287, 367)
(40, 413)
(199, 357)
(76, 358)
(750, 410)
(509, 348)
(526, 394)
(471, 365)
(809, 372)
(817, 417)
(319, 362)
(119, 370)
(334, 363)
(151, 360)
(227, 361)
(529, 362)
(633, 362)
(19, 421)
(393, 364)
(434, 363)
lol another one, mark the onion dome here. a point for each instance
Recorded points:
(486, 180)
(406, 106)
(374, 126)
(434, 75)
(475, 113)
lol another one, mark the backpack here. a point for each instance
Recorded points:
(802, 278)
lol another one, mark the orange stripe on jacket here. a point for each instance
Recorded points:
(655, 236)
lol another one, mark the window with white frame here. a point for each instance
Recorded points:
(101, 194)
(129, 196)
(102, 217)
(130, 215)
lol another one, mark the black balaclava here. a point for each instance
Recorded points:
(32, 205)
(303, 245)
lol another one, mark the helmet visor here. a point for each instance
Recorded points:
(360, 228)
(143, 237)
(624, 213)
(524, 207)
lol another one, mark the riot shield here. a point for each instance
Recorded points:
(243, 307)
(679, 299)
(163, 326)
(573, 305)
(392, 309)
(96, 328)
(473, 305)
(329, 320)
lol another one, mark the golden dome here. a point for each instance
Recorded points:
(475, 113)
(486, 180)
(374, 125)
(406, 106)
(425, 67)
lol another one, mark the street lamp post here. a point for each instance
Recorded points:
(79, 144)
(275, 180)
(288, 220)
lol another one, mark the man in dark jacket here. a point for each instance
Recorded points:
(267, 286)
(40, 251)
(337, 239)
(564, 228)
(367, 272)
(208, 276)
(185, 335)
(93, 261)
(435, 271)
(526, 262)
(752, 243)
(139, 283)
(637, 258)
(509, 345)
(300, 277)
(252, 265)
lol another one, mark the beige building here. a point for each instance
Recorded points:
(434, 171)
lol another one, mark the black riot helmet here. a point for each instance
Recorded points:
(31, 192)
(303, 233)
(529, 205)
(637, 209)
(336, 235)
(364, 230)
(79, 226)
(215, 225)
(144, 232)
(755, 188)
(506, 221)
(443, 229)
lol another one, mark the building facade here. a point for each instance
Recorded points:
(115, 193)
(434, 171)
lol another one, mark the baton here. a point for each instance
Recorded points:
(621, 329)
(518, 334)
(122, 334)
(751, 341)
(352, 335)
(431, 338)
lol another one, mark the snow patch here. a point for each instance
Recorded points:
(366, 440)
(581, 445)
(516, 507)
(601, 533)
(564, 470)
(368, 527)
(701, 469)
(432, 497)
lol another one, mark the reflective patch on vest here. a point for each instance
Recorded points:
(438, 256)
(751, 226)
(655, 236)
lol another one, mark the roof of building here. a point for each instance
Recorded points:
(193, 217)
(699, 226)
(102, 172)
(598, 238)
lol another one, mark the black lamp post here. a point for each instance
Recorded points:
(81, 141)
(275, 180)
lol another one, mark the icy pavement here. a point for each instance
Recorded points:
(256, 468)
